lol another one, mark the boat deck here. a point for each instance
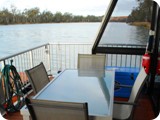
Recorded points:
(143, 110)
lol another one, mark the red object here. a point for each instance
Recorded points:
(146, 62)
(158, 65)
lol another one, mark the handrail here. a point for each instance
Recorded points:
(116, 45)
(111, 44)
(2, 59)
(59, 57)
(70, 43)
(121, 50)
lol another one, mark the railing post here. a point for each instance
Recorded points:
(47, 51)
(2, 64)
(31, 58)
(60, 57)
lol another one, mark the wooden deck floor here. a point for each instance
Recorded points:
(144, 109)
(142, 112)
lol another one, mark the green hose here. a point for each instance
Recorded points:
(13, 88)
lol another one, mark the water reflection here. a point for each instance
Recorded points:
(102, 79)
(91, 73)
(142, 35)
(119, 30)
(123, 33)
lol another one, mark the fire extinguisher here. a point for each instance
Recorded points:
(146, 58)
(146, 62)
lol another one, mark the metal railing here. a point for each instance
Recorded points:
(64, 55)
(57, 57)
(27, 59)
(124, 55)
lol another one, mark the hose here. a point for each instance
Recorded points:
(12, 88)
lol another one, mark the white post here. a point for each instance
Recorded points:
(2, 65)
(31, 58)
(47, 51)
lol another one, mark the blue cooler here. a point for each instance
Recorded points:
(124, 76)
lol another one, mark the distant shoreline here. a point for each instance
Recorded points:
(45, 23)
(144, 24)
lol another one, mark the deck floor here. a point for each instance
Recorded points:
(144, 109)
(142, 112)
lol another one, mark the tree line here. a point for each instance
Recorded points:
(33, 15)
(141, 13)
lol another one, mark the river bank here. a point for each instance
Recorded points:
(144, 24)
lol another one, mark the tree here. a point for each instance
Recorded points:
(58, 17)
(142, 13)
(67, 17)
(33, 15)
(46, 17)
(5, 16)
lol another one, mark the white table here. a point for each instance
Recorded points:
(94, 87)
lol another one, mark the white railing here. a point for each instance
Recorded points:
(27, 59)
(65, 55)
(57, 57)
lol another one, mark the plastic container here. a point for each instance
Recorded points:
(124, 76)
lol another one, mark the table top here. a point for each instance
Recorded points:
(94, 87)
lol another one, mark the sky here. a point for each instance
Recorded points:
(76, 7)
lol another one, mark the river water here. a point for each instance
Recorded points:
(15, 38)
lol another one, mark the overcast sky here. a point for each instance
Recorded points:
(76, 7)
